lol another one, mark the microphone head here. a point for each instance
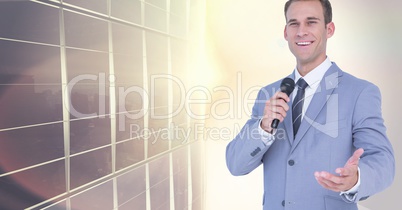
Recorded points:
(287, 85)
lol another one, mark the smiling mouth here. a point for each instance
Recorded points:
(303, 43)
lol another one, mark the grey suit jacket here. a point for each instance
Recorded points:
(344, 114)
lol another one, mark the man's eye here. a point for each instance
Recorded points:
(311, 22)
(293, 24)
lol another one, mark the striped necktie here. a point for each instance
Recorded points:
(297, 107)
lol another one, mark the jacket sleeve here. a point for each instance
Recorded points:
(377, 164)
(245, 152)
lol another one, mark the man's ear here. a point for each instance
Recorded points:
(285, 33)
(330, 29)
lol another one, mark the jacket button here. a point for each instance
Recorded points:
(283, 203)
(291, 162)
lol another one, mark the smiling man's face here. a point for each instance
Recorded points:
(307, 34)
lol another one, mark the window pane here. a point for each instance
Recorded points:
(138, 202)
(29, 21)
(30, 187)
(160, 196)
(158, 3)
(24, 147)
(178, 7)
(155, 18)
(99, 197)
(85, 32)
(159, 171)
(88, 81)
(156, 53)
(89, 134)
(127, 40)
(41, 64)
(159, 183)
(128, 70)
(90, 166)
(180, 178)
(179, 70)
(129, 126)
(129, 10)
(158, 142)
(157, 70)
(159, 136)
(95, 5)
(182, 132)
(130, 98)
(129, 153)
(89, 101)
(158, 94)
(59, 206)
(29, 104)
(196, 171)
(129, 83)
(131, 185)
(81, 62)
(157, 124)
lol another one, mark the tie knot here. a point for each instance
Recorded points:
(301, 84)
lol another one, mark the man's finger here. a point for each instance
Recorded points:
(327, 181)
(354, 160)
(346, 171)
(282, 95)
(325, 176)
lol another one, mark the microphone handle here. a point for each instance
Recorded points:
(275, 123)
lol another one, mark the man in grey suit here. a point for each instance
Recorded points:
(330, 149)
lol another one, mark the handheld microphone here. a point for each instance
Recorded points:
(287, 86)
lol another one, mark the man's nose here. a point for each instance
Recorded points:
(302, 31)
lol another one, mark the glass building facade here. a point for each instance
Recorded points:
(88, 119)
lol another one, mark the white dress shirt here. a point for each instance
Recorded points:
(313, 79)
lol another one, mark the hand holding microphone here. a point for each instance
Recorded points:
(276, 107)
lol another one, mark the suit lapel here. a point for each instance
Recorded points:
(327, 86)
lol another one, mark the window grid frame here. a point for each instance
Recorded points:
(66, 99)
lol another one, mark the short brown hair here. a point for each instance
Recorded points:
(326, 6)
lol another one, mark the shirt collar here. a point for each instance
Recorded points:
(314, 77)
